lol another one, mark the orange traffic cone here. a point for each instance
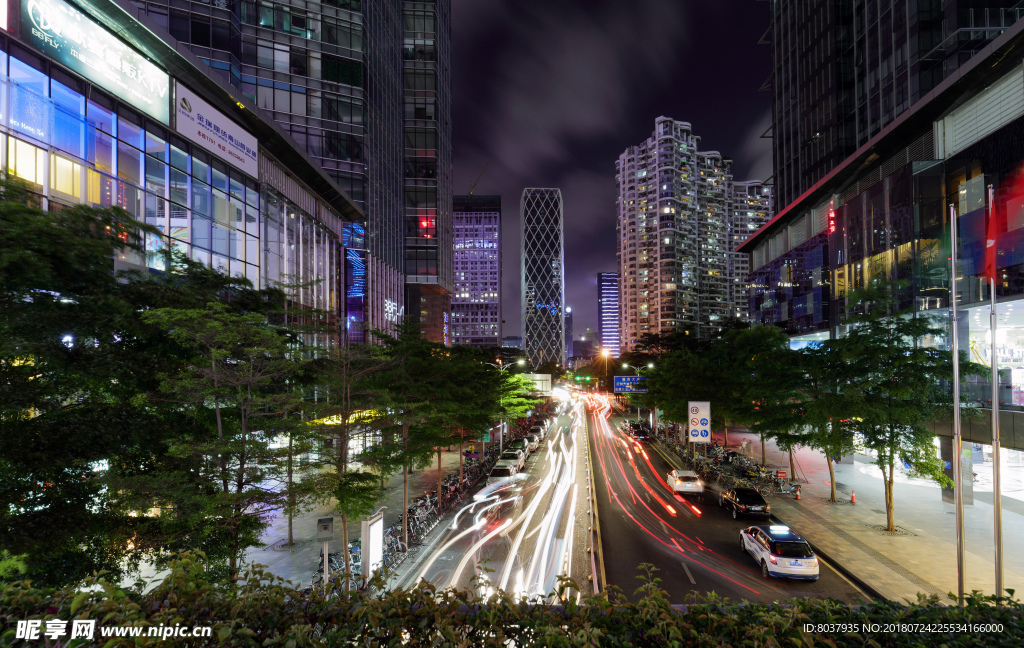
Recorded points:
(798, 492)
(853, 497)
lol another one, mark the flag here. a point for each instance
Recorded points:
(1008, 216)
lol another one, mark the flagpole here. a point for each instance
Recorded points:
(957, 463)
(997, 504)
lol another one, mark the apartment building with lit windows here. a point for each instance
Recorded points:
(608, 317)
(476, 302)
(674, 230)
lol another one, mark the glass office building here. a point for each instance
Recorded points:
(364, 88)
(884, 213)
(154, 135)
(543, 276)
(845, 70)
(476, 303)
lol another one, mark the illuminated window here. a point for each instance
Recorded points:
(27, 162)
(66, 178)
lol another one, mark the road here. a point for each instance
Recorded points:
(521, 536)
(694, 544)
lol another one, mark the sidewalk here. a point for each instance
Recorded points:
(921, 557)
(298, 562)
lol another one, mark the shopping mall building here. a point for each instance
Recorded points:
(97, 109)
(884, 212)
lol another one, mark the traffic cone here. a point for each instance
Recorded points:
(798, 492)
(853, 497)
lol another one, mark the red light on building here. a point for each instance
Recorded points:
(831, 221)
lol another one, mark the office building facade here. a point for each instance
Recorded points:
(608, 316)
(844, 71)
(426, 79)
(676, 206)
(476, 302)
(543, 276)
(155, 135)
(363, 87)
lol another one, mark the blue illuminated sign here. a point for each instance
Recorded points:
(630, 385)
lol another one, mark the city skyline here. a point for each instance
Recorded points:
(557, 109)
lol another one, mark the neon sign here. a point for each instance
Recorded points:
(831, 221)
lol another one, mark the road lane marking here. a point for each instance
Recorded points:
(688, 574)
(663, 527)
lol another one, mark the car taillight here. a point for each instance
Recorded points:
(772, 558)
(812, 563)
(742, 507)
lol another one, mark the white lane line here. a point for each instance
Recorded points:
(688, 574)
(663, 527)
(649, 500)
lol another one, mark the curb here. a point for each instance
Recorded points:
(857, 582)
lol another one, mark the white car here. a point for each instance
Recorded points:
(502, 472)
(514, 457)
(780, 551)
(533, 441)
(685, 482)
(538, 430)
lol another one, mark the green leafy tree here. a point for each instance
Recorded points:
(895, 383)
(224, 477)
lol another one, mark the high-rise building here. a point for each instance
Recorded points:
(843, 71)
(543, 276)
(568, 333)
(750, 207)
(426, 73)
(512, 341)
(608, 312)
(363, 88)
(675, 213)
(476, 302)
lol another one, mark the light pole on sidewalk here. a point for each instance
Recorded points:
(501, 367)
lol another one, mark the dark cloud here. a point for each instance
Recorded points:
(548, 93)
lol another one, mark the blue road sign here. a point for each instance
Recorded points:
(630, 385)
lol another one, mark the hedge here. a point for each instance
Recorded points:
(263, 610)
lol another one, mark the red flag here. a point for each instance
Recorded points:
(1001, 218)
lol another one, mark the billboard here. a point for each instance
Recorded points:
(700, 422)
(214, 131)
(67, 35)
(630, 385)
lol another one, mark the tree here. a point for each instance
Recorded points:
(896, 385)
(223, 481)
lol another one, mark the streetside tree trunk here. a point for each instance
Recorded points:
(461, 456)
(792, 467)
(890, 508)
(831, 477)
(291, 494)
(405, 484)
(440, 476)
(763, 451)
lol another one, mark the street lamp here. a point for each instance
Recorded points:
(501, 367)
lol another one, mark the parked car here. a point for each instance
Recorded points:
(538, 430)
(685, 482)
(533, 440)
(516, 457)
(746, 502)
(780, 551)
(521, 445)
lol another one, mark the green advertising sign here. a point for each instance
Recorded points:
(67, 35)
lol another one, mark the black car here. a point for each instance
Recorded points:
(746, 502)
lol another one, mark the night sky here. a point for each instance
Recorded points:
(550, 92)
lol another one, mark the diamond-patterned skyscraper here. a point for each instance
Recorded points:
(543, 275)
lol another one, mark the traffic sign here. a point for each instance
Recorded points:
(700, 421)
(630, 385)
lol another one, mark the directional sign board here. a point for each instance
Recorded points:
(630, 385)
(700, 422)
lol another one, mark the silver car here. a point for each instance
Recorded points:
(513, 456)
(533, 441)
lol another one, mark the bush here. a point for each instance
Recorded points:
(262, 610)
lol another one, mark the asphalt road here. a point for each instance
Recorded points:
(523, 535)
(693, 544)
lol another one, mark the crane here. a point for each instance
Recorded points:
(473, 184)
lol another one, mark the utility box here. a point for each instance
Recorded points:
(325, 529)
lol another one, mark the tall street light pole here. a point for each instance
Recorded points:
(501, 367)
